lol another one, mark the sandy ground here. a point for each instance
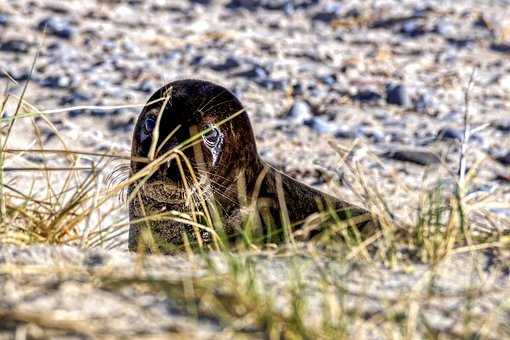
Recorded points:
(388, 77)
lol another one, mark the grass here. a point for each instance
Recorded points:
(63, 201)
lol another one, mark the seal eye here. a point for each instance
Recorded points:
(150, 124)
(212, 137)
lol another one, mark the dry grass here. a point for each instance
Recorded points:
(70, 203)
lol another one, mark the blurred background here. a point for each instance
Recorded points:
(387, 76)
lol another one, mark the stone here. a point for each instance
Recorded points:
(320, 126)
(15, 46)
(57, 27)
(412, 155)
(229, 64)
(299, 112)
(366, 96)
(413, 29)
(504, 158)
(56, 82)
(396, 94)
(501, 125)
(448, 133)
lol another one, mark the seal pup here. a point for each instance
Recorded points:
(199, 141)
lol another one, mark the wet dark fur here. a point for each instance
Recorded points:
(199, 103)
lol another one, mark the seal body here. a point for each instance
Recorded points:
(202, 171)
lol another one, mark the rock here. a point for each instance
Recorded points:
(56, 82)
(500, 47)
(121, 124)
(504, 159)
(320, 126)
(4, 20)
(229, 64)
(57, 27)
(299, 112)
(327, 16)
(172, 56)
(481, 22)
(197, 60)
(461, 42)
(412, 155)
(397, 94)
(502, 178)
(413, 28)
(20, 74)
(329, 80)
(366, 96)
(346, 133)
(201, 2)
(501, 125)
(286, 5)
(15, 46)
(298, 89)
(93, 259)
(448, 133)
(75, 97)
(375, 136)
(256, 72)
(445, 28)
(272, 84)
(146, 86)
(426, 103)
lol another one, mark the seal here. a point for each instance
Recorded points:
(202, 176)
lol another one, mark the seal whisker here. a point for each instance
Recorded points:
(210, 102)
(120, 173)
(209, 110)
(210, 174)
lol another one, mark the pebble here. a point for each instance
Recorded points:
(444, 28)
(75, 97)
(197, 60)
(504, 159)
(500, 47)
(57, 27)
(397, 94)
(346, 133)
(320, 126)
(201, 2)
(272, 84)
(366, 96)
(4, 20)
(412, 155)
(448, 133)
(93, 259)
(15, 46)
(501, 125)
(229, 64)
(375, 136)
(256, 72)
(125, 125)
(56, 82)
(426, 103)
(299, 112)
(286, 5)
(327, 16)
(298, 89)
(146, 86)
(413, 28)
(329, 80)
